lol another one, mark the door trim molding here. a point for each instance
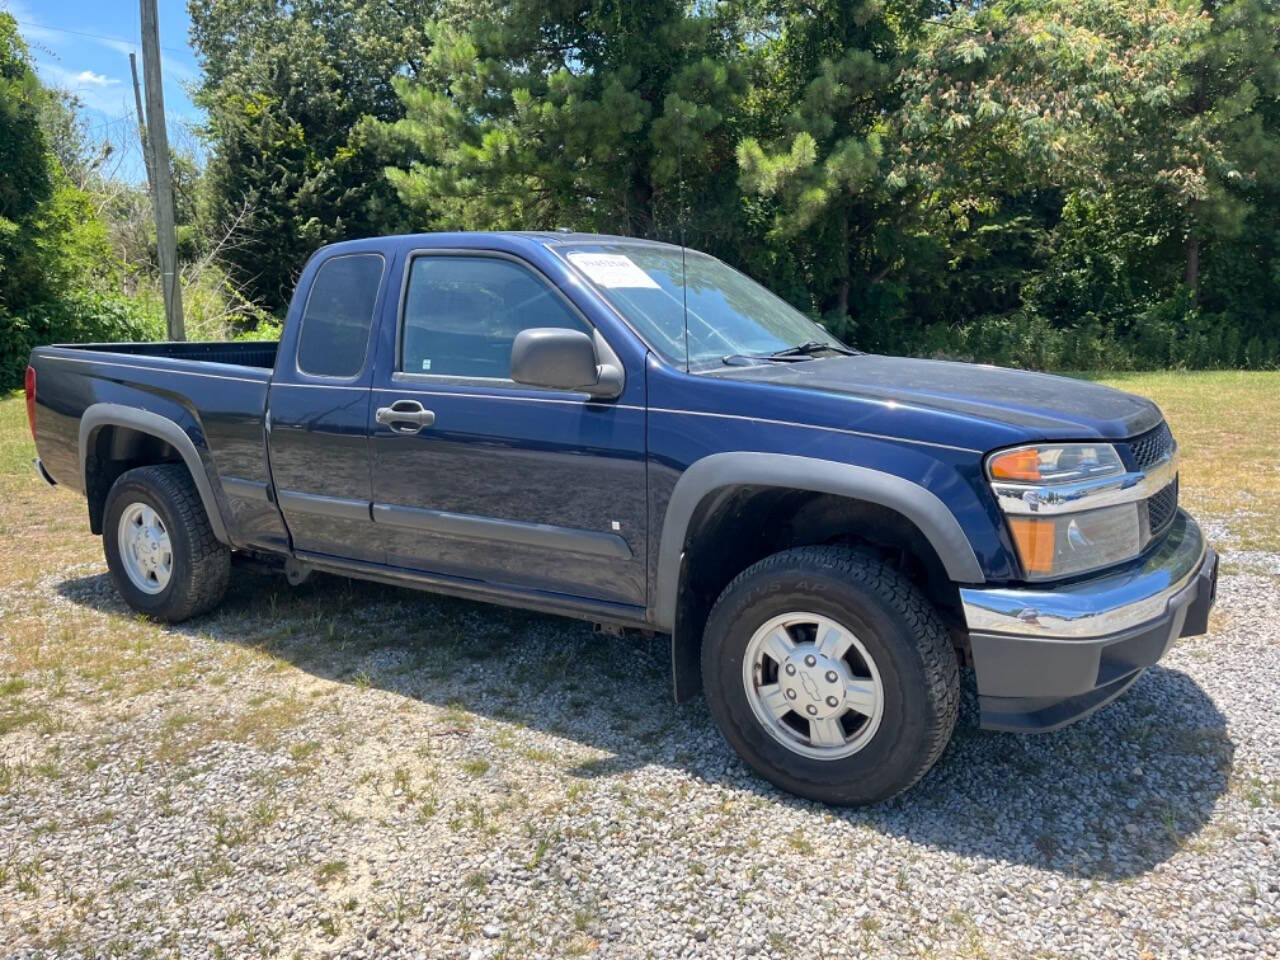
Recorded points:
(243, 489)
(543, 535)
(337, 508)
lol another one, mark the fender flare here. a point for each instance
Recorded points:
(719, 470)
(101, 415)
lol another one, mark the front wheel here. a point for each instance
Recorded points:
(161, 551)
(831, 675)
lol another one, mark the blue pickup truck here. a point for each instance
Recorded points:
(638, 435)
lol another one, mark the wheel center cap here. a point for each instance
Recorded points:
(814, 683)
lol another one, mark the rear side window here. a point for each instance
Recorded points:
(339, 313)
(461, 315)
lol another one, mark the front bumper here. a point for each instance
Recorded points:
(1047, 657)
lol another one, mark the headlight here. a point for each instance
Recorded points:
(1057, 463)
(1076, 542)
(1071, 507)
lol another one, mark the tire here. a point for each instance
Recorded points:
(195, 577)
(899, 670)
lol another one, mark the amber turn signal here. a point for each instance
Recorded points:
(1035, 542)
(1023, 464)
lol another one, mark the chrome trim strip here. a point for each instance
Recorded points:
(1096, 607)
(1021, 499)
(543, 535)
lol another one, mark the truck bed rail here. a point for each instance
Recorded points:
(245, 353)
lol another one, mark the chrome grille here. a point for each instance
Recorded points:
(1151, 447)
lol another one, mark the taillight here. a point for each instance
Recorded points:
(30, 383)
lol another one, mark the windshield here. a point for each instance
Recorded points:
(730, 315)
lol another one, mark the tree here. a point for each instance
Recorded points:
(56, 261)
(1158, 113)
(26, 178)
(284, 85)
(50, 234)
(592, 114)
(1229, 131)
(826, 82)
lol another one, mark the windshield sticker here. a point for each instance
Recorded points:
(612, 270)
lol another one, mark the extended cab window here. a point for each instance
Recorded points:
(461, 315)
(339, 313)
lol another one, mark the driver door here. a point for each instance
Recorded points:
(491, 480)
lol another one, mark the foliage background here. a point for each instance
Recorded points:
(1046, 183)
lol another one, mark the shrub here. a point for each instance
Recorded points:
(80, 317)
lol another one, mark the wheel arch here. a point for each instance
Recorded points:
(135, 437)
(707, 501)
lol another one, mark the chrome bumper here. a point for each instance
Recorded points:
(1096, 607)
(1045, 658)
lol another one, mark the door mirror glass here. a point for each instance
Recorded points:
(562, 360)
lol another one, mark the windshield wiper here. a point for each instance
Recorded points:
(803, 351)
(811, 348)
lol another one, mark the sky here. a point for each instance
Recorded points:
(83, 46)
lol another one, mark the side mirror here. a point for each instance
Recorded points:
(562, 360)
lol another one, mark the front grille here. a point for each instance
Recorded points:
(1145, 451)
(1161, 508)
(1152, 447)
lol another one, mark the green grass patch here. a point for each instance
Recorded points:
(1227, 424)
(16, 446)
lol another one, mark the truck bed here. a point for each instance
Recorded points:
(214, 395)
(242, 353)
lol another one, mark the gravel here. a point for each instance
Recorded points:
(355, 771)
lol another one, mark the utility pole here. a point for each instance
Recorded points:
(142, 132)
(161, 175)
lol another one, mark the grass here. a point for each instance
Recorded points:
(16, 446)
(331, 870)
(1227, 424)
(90, 692)
(476, 767)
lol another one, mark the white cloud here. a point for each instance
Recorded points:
(52, 38)
(95, 90)
(89, 78)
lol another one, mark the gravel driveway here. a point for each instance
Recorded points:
(345, 769)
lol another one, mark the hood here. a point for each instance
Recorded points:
(1044, 406)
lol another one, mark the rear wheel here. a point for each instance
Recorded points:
(161, 551)
(831, 675)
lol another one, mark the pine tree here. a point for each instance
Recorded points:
(826, 80)
(284, 86)
(591, 114)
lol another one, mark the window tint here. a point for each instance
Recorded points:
(461, 315)
(335, 326)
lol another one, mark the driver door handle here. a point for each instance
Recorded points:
(405, 416)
